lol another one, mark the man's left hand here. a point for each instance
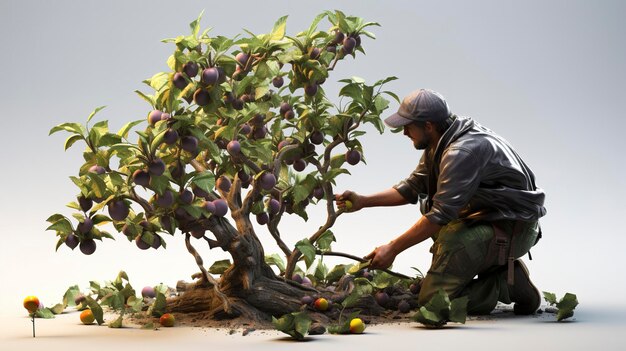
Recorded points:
(382, 257)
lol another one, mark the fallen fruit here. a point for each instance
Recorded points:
(357, 326)
(148, 291)
(321, 304)
(31, 303)
(167, 320)
(87, 317)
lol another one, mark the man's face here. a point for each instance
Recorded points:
(420, 137)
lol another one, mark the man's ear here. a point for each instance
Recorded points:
(429, 126)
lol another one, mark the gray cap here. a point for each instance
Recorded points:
(420, 105)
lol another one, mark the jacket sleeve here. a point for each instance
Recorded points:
(416, 184)
(459, 177)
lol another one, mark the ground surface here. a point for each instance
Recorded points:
(596, 327)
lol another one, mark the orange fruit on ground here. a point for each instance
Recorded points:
(31, 303)
(321, 304)
(167, 320)
(87, 317)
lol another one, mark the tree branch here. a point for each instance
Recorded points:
(359, 259)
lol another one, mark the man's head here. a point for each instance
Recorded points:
(425, 116)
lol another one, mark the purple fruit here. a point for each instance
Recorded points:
(141, 177)
(210, 76)
(267, 181)
(246, 98)
(156, 242)
(259, 119)
(85, 203)
(314, 54)
(382, 298)
(233, 147)
(186, 197)
(299, 165)
(141, 244)
(154, 116)
(331, 48)
(201, 97)
(297, 278)
(306, 300)
(189, 143)
(353, 157)
(245, 129)
(88, 246)
(199, 192)
(289, 115)
(198, 233)
(209, 206)
(415, 288)
(317, 137)
(221, 207)
(238, 104)
(318, 193)
(179, 81)
(404, 307)
(338, 38)
(118, 210)
(170, 137)
(126, 230)
(156, 167)
(222, 75)
(357, 38)
(306, 281)
(85, 226)
(278, 82)
(177, 171)
(148, 291)
(310, 89)
(165, 200)
(97, 169)
(273, 206)
(260, 133)
(348, 45)
(284, 107)
(191, 69)
(262, 218)
(223, 184)
(242, 58)
(71, 241)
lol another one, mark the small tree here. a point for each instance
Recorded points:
(231, 129)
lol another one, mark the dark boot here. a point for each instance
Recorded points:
(523, 292)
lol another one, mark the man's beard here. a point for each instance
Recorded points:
(422, 144)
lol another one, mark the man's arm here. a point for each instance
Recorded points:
(389, 197)
(383, 256)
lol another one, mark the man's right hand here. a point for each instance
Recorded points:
(349, 201)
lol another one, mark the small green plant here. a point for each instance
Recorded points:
(440, 310)
(295, 324)
(565, 306)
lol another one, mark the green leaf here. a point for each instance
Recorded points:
(62, 226)
(204, 181)
(93, 113)
(278, 32)
(157, 309)
(550, 298)
(71, 140)
(566, 306)
(336, 273)
(44, 313)
(295, 324)
(58, 308)
(384, 279)
(123, 132)
(458, 310)
(148, 98)
(428, 318)
(75, 128)
(325, 240)
(96, 309)
(276, 260)
(117, 323)
(358, 266)
(302, 322)
(70, 295)
(320, 271)
(98, 186)
(195, 25)
(219, 267)
(308, 251)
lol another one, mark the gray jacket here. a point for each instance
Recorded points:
(473, 174)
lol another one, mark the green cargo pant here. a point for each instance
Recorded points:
(461, 252)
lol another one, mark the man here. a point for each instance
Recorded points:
(479, 202)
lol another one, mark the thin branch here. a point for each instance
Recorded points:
(356, 258)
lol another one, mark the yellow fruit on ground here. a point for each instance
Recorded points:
(87, 317)
(167, 320)
(357, 326)
(321, 304)
(31, 303)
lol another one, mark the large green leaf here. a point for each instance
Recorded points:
(96, 309)
(219, 267)
(308, 251)
(325, 240)
(458, 310)
(566, 306)
(276, 260)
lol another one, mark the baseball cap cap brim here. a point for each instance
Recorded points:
(396, 121)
